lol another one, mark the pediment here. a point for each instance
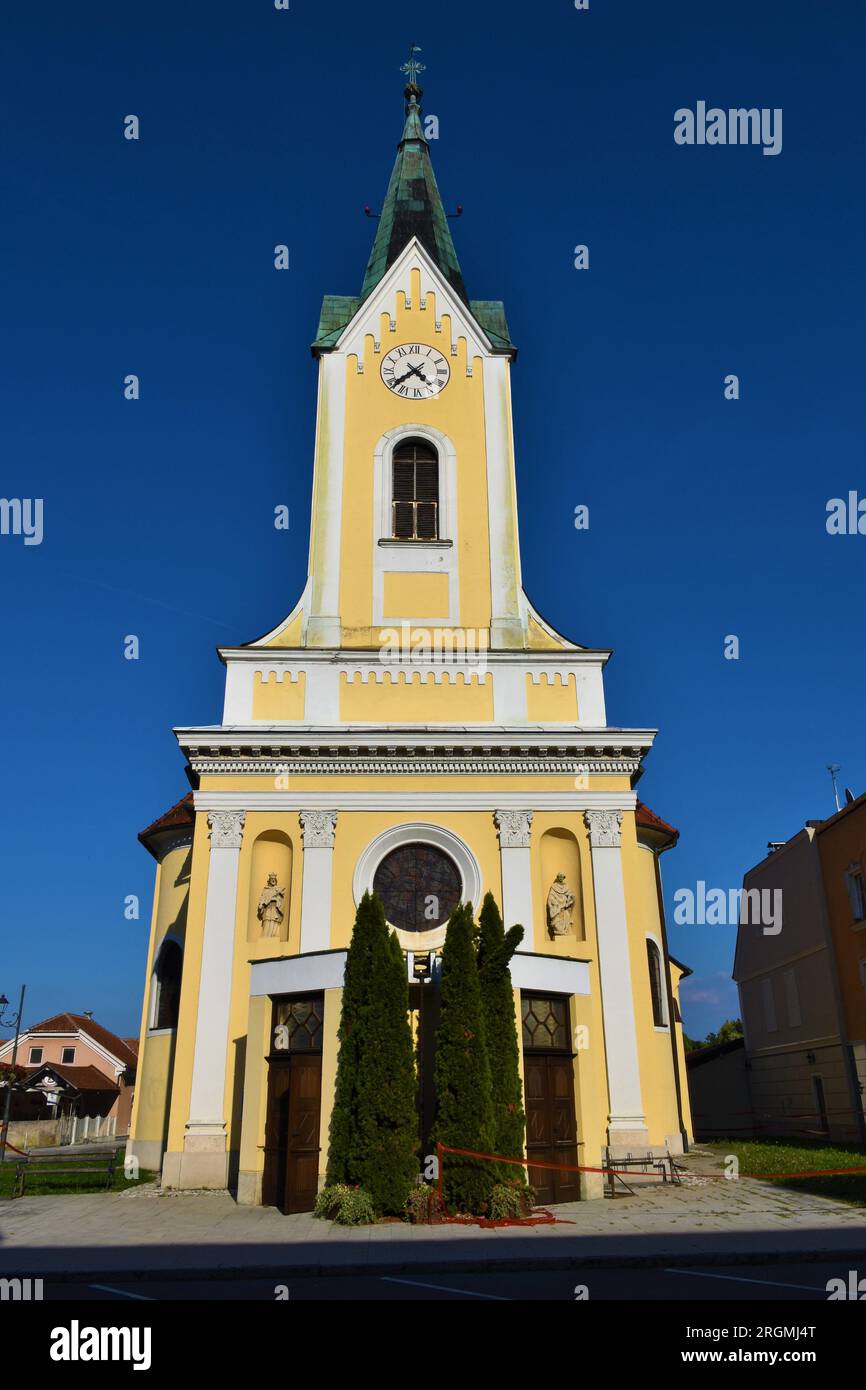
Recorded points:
(398, 279)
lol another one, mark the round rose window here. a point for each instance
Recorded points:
(419, 885)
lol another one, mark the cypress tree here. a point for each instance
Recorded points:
(495, 949)
(464, 1109)
(344, 1147)
(374, 1123)
(387, 1084)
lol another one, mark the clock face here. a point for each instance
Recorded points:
(415, 371)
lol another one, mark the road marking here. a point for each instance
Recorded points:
(443, 1288)
(121, 1293)
(740, 1279)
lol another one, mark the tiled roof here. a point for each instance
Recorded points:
(650, 821)
(82, 1078)
(490, 313)
(77, 1023)
(179, 815)
(338, 310)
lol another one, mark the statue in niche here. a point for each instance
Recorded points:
(560, 905)
(271, 908)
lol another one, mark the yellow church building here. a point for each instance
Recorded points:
(416, 728)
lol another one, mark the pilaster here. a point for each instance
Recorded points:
(627, 1122)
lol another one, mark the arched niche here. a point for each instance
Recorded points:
(272, 854)
(560, 853)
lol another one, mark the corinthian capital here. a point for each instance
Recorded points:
(514, 828)
(604, 828)
(318, 829)
(226, 828)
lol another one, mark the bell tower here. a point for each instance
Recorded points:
(414, 515)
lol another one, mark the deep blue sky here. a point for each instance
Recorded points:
(156, 257)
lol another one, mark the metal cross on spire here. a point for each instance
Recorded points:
(413, 67)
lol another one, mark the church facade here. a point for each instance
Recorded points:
(416, 728)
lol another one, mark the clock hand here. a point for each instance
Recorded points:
(411, 371)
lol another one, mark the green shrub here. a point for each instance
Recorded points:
(348, 1206)
(509, 1201)
(424, 1206)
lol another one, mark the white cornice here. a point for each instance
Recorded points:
(376, 737)
(413, 767)
(369, 656)
(420, 801)
(377, 751)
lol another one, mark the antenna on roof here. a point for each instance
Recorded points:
(833, 768)
(849, 796)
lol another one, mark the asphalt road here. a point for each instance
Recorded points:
(777, 1282)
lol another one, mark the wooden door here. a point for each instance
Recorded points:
(292, 1140)
(551, 1129)
(302, 1143)
(276, 1133)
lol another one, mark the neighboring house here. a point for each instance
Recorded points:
(803, 988)
(74, 1066)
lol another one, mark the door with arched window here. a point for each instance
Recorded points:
(551, 1125)
(292, 1139)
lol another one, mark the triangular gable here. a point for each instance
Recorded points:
(366, 321)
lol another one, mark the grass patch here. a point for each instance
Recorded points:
(45, 1183)
(804, 1156)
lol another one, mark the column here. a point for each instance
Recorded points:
(205, 1160)
(255, 1101)
(318, 829)
(514, 830)
(627, 1124)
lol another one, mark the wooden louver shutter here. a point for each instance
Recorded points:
(416, 492)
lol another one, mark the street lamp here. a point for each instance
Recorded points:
(8, 1023)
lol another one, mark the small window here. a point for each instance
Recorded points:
(545, 1024)
(856, 892)
(415, 496)
(654, 965)
(792, 999)
(769, 1004)
(166, 984)
(36, 1055)
(298, 1025)
(68, 1056)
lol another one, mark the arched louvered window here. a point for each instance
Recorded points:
(415, 498)
(166, 984)
(654, 962)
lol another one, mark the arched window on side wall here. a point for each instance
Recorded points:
(654, 963)
(415, 494)
(166, 983)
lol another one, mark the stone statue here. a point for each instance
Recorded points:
(560, 903)
(271, 908)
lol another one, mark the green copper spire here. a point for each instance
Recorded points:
(413, 206)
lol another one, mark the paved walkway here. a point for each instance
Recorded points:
(207, 1234)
